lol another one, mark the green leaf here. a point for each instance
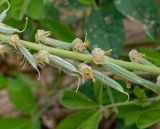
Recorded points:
(39, 6)
(59, 30)
(76, 120)
(148, 118)
(21, 96)
(3, 82)
(98, 91)
(93, 121)
(88, 2)
(19, 8)
(105, 30)
(151, 55)
(140, 94)
(76, 100)
(19, 123)
(129, 113)
(143, 11)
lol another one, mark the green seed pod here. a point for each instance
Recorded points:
(10, 30)
(108, 81)
(158, 80)
(3, 14)
(131, 76)
(65, 66)
(123, 72)
(15, 41)
(137, 57)
(43, 37)
(99, 55)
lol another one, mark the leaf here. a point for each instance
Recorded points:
(88, 2)
(129, 113)
(21, 96)
(19, 8)
(98, 91)
(140, 94)
(105, 30)
(76, 100)
(93, 121)
(151, 55)
(3, 82)
(39, 5)
(148, 118)
(75, 120)
(59, 30)
(143, 11)
(19, 123)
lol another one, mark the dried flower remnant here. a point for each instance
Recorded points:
(4, 49)
(42, 58)
(99, 55)
(86, 70)
(41, 35)
(79, 45)
(15, 42)
(137, 57)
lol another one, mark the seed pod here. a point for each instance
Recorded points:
(65, 66)
(158, 80)
(123, 72)
(131, 76)
(42, 58)
(137, 57)
(10, 30)
(99, 55)
(43, 37)
(15, 41)
(86, 70)
(3, 14)
(79, 45)
(107, 81)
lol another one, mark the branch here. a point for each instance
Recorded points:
(83, 57)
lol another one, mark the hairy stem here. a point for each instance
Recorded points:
(83, 57)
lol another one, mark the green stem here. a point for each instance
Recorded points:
(134, 102)
(83, 57)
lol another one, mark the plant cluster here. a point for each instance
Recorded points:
(77, 60)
